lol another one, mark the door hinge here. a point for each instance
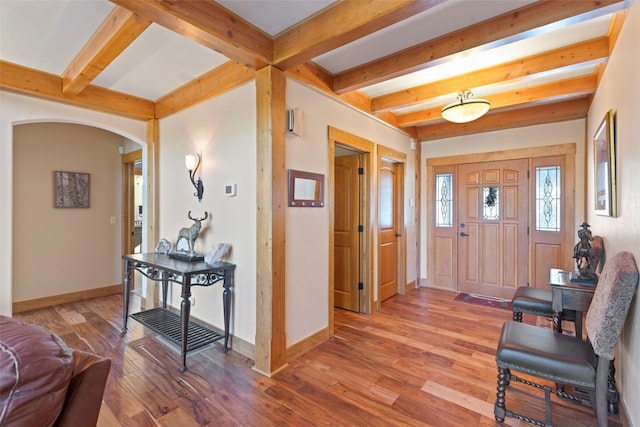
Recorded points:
(528, 232)
(360, 285)
(528, 175)
(360, 171)
(360, 228)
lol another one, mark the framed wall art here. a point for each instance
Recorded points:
(604, 154)
(71, 189)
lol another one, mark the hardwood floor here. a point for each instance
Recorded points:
(422, 360)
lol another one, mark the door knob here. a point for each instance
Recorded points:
(463, 234)
(398, 234)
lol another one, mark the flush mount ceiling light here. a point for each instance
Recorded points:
(465, 110)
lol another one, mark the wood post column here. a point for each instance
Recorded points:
(271, 351)
(152, 203)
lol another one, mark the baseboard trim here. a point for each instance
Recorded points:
(22, 306)
(299, 348)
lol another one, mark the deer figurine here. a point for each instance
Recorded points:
(191, 233)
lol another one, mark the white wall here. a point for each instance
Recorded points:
(17, 109)
(74, 249)
(620, 90)
(223, 130)
(532, 136)
(307, 229)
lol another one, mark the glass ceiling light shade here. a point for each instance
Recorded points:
(465, 110)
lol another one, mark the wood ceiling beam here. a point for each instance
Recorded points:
(338, 25)
(315, 76)
(493, 30)
(219, 80)
(113, 36)
(595, 50)
(209, 24)
(312, 74)
(540, 114)
(19, 79)
(564, 88)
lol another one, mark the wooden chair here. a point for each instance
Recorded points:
(537, 301)
(566, 360)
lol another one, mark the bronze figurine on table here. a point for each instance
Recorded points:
(582, 254)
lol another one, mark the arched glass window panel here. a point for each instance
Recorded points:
(548, 193)
(491, 203)
(444, 200)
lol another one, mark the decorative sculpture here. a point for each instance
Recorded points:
(190, 234)
(582, 255)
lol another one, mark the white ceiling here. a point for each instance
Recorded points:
(46, 35)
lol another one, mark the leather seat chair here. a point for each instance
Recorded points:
(537, 301)
(568, 361)
(45, 383)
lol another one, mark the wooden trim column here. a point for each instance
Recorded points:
(152, 203)
(271, 342)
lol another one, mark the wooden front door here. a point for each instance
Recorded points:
(346, 234)
(492, 227)
(388, 226)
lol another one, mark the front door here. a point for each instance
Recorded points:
(346, 234)
(388, 226)
(492, 227)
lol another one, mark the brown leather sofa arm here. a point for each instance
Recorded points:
(84, 395)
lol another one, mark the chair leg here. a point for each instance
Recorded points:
(602, 374)
(499, 409)
(517, 316)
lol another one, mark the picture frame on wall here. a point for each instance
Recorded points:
(604, 154)
(72, 189)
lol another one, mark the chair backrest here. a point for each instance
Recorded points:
(597, 254)
(611, 302)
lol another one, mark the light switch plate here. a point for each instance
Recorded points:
(230, 190)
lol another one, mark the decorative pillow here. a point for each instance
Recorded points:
(35, 370)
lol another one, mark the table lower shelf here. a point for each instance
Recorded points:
(169, 326)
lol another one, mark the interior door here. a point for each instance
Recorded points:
(492, 227)
(346, 234)
(388, 225)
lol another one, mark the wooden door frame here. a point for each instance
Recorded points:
(568, 151)
(366, 149)
(400, 159)
(128, 162)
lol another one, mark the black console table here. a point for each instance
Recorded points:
(163, 268)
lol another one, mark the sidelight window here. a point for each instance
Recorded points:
(548, 193)
(444, 200)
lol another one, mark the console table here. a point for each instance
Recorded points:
(568, 295)
(163, 268)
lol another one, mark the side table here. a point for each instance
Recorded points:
(163, 268)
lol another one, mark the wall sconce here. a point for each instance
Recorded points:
(192, 162)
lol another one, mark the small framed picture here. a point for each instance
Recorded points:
(604, 152)
(71, 189)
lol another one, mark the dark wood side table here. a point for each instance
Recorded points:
(577, 296)
(567, 295)
(163, 268)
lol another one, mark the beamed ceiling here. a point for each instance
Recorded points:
(399, 60)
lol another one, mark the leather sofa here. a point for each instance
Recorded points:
(43, 382)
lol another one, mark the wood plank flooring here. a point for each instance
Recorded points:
(422, 360)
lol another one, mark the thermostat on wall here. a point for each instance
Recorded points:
(230, 190)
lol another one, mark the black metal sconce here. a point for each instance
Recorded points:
(193, 163)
